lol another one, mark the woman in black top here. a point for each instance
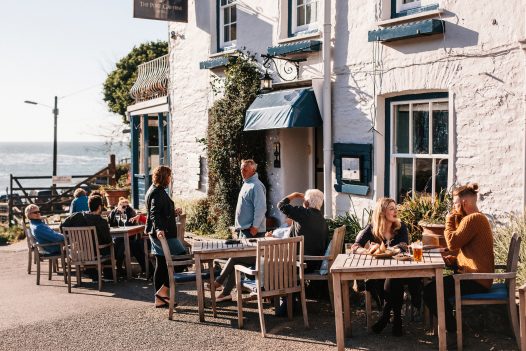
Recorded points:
(160, 223)
(386, 227)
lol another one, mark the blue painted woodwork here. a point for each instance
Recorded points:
(420, 9)
(214, 63)
(134, 128)
(293, 48)
(364, 153)
(408, 30)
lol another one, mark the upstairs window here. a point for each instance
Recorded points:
(404, 5)
(304, 15)
(227, 23)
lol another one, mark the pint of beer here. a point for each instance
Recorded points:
(417, 251)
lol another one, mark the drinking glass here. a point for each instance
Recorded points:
(124, 218)
(118, 219)
(417, 251)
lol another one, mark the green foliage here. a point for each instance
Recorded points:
(198, 220)
(423, 207)
(352, 223)
(116, 88)
(11, 235)
(121, 174)
(227, 144)
(501, 240)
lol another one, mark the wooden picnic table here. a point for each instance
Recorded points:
(348, 267)
(211, 249)
(126, 232)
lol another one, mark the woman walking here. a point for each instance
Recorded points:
(160, 223)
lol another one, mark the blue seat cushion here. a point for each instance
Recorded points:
(496, 292)
(185, 277)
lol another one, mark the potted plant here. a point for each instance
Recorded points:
(425, 217)
(121, 189)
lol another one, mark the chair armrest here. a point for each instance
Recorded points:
(182, 263)
(476, 276)
(105, 245)
(316, 258)
(245, 270)
(182, 257)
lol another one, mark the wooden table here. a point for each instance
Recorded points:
(209, 250)
(358, 266)
(125, 233)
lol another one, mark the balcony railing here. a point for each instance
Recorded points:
(152, 80)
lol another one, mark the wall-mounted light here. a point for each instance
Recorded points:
(266, 82)
(277, 155)
(176, 35)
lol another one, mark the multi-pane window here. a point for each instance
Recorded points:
(228, 23)
(304, 15)
(420, 147)
(403, 5)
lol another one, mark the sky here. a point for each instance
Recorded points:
(64, 48)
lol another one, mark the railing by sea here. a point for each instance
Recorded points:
(152, 80)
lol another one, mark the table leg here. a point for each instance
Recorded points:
(127, 258)
(200, 292)
(346, 308)
(338, 317)
(212, 288)
(439, 277)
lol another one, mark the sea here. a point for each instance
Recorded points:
(73, 158)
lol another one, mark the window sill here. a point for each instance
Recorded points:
(229, 52)
(409, 18)
(299, 38)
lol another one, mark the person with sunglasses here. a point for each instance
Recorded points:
(41, 231)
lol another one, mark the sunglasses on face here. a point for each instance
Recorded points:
(35, 212)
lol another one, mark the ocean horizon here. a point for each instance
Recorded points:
(73, 158)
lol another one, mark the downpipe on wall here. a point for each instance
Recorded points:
(327, 106)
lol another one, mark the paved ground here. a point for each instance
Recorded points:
(122, 317)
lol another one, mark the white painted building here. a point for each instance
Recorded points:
(422, 94)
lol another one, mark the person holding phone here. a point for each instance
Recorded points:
(469, 232)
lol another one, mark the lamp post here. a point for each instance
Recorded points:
(55, 115)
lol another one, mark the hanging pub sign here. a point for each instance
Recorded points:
(162, 10)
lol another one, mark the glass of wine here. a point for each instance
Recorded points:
(124, 218)
(118, 219)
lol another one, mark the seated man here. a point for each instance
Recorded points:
(469, 231)
(41, 231)
(80, 202)
(282, 232)
(308, 222)
(92, 218)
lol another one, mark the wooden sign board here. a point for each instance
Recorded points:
(61, 180)
(162, 10)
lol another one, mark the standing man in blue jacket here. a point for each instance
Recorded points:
(250, 222)
(41, 231)
(251, 203)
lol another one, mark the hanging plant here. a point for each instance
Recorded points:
(228, 144)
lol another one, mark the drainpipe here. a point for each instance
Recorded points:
(327, 117)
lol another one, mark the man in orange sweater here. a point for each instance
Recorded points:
(469, 232)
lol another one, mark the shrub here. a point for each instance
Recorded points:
(501, 240)
(352, 223)
(11, 235)
(423, 207)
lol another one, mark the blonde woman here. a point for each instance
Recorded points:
(387, 228)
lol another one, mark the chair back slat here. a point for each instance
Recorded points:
(513, 253)
(279, 258)
(82, 243)
(29, 237)
(337, 242)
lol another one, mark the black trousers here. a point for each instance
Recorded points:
(160, 276)
(430, 297)
(392, 291)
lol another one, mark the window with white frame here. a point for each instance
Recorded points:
(404, 5)
(227, 23)
(304, 15)
(420, 159)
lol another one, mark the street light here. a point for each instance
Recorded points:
(55, 115)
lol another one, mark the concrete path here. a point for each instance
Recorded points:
(122, 317)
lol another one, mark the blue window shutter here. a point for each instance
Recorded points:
(289, 27)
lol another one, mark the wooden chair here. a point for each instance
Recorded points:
(522, 315)
(501, 293)
(83, 250)
(173, 261)
(276, 272)
(40, 254)
(335, 247)
(148, 257)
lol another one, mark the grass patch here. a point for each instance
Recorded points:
(11, 235)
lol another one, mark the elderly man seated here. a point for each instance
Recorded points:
(41, 231)
(308, 222)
